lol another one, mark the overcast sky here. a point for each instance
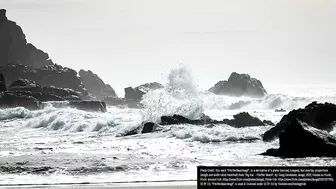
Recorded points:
(130, 42)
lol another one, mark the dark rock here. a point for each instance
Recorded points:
(318, 115)
(46, 93)
(301, 140)
(96, 86)
(138, 92)
(89, 105)
(12, 100)
(3, 86)
(280, 110)
(178, 119)
(245, 119)
(147, 127)
(42, 97)
(71, 97)
(54, 75)
(14, 48)
(133, 93)
(267, 122)
(3, 16)
(239, 85)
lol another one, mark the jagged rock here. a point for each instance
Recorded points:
(53, 75)
(245, 119)
(138, 92)
(301, 140)
(89, 105)
(3, 86)
(147, 127)
(46, 93)
(178, 119)
(96, 86)
(12, 100)
(318, 115)
(14, 48)
(239, 85)
(42, 97)
(280, 110)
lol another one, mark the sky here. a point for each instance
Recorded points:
(131, 42)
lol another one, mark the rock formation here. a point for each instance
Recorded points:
(244, 119)
(301, 140)
(240, 120)
(318, 115)
(138, 92)
(3, 86)
(45, 93)
(11, 99)
(53, 75)
(14, 48)
(96, 86)
(239, 85)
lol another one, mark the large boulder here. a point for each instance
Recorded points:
(3, 86)
(138, 92)
(53, 75)
(239, 85)
(318, 115)
(244, 119)
(88, 105)
(43, 93)
(14, 48)
(96, 86)
(301, 140)
(12, 100)
(147, 127)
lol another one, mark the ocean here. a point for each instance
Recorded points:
(59, 144)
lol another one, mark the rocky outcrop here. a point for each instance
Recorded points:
(239, 85)
(45, 93)
(301, 140)
(12, 100)
(54, 75)
(178, 119)
(147, 127)
(240, 120)
(14, 48)
(244, 119)
(318, 115)
(138, 92)
(88, 105)
(3, 86)
(280, 110)
(96, 86)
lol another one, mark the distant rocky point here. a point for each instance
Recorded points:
(138, 92)
(239, 85)
(96, 86)
(133, 96)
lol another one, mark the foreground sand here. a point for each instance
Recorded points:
(151, 185)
